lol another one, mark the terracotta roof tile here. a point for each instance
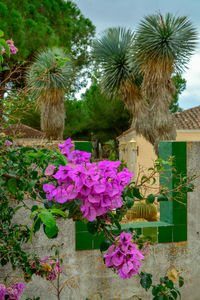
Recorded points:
(22, 131)
(188, 119)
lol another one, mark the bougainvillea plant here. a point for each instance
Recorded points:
(65, 183)
(6, 47)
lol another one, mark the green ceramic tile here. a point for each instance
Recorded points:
(80, 226)
(165, 234)
(179, 149)
(152, 232)
(84, 146)
(83, 241)
(97, 240)
(165, 149)
(181, 203)
(180, 216)
(166, 211)
(180, 233)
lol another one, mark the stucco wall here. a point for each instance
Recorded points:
(87, 275)
(144, 154)
(188, 135)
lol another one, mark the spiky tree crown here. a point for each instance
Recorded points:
(112, 52)
(46, 74)
(164, 40)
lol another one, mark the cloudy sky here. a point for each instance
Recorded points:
(128, 13)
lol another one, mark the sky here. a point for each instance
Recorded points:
(128, 13)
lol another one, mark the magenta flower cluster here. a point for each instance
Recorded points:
(124, 256)
(75, 156)
(99, 186)
(13, 49)
(13, 292)
(49, 268)
(8, 143)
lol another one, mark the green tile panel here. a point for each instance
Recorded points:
(172, 226)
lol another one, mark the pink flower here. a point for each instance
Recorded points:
(124, 256)
(13, 49)
(50, 170)
(8, 143)
(98, 186)
(2, 291)
(14, 291)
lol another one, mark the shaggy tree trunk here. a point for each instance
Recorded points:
(53, 117)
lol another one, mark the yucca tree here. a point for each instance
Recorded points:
(48, 79)
(140, 68)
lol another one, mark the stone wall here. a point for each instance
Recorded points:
(86, 276)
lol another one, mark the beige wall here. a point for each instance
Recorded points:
(141, 154)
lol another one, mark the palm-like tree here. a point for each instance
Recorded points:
(48, 79)
(140, 67)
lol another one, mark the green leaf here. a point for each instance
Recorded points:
(1, 33)
(129, 202)
(78, 202)
(58, 212)
(146, 280)
(34, 207)
(169, 284)
(105, 245)
(32, 229)
(12, 185)
(150, 199)
(51, 232)
(92, 227)
(48, 204)
(117, 224)
(5, 45)
(136, 193)
(174, 294)
(47, 218)
(190, 187)
(162, 197)
(181, 281)
(37, 224)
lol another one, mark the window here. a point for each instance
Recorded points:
(172, 226)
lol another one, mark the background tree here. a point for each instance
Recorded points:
(35, 25)
(48, 80)
(108, 117)
(141, 67)
(180, 85)
(96, 115)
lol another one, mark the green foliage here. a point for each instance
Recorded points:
(165, 290)
(145, 280)
(33, 24)
(112, 51)
(19, 180)
(105, 245)
(180, 85)
(6, 47)
(36, 25)
(96, 114)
